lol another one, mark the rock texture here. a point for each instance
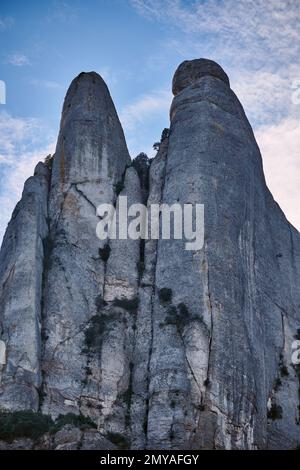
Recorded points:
(21, 279)
(90, 160)
(160, 347)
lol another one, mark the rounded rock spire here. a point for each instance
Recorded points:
(190, 71)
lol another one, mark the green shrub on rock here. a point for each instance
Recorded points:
(32, 425)
(78, 421)
(16, 424)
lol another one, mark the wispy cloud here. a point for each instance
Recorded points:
(109, 76)
(16, 134)
(51, 85)
(280, 146)
(254, 27)
(62, 12)
(145, 107)
(257, 42)
(22, 145)
(6, 22)
(265, 95)
(19, 60)
(138, 117)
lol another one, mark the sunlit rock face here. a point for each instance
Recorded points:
(150, 344)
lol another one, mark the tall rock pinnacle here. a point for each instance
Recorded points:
(91, 142)
(90, 159)
(161, 347)
(241, 297)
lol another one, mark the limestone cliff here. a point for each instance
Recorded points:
(148, 344)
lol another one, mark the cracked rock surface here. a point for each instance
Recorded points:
(160, 347)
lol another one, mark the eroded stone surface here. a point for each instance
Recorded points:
(210, 367)
(190, 71)
(241, 290)
(21, 278)
(89, 162)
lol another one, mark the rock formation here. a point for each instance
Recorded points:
(147, 344)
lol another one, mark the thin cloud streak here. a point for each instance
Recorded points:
(50, 85)
(145, 107)
(252, 26)
(18, 60)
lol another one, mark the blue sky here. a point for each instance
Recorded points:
(136, 46)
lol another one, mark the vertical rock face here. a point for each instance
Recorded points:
(214, 365)
(90, 160)
(21, 277)
(160, 346)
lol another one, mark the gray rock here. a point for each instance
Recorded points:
(21, 278)
(120, 296)
(89, 161)
(208, 367)
(190, 71)
(17, 444)
(67, 438)
(211, 377)
(144, 334)
(93, 440)
(45, 442)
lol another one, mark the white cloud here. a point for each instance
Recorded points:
(144, 108)
(266, 96)
(15, 177)
(139, 117)
(22, 145)
(279, 145)
(6, 22)
(18, 60)
(16, 134)
(254, 27)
